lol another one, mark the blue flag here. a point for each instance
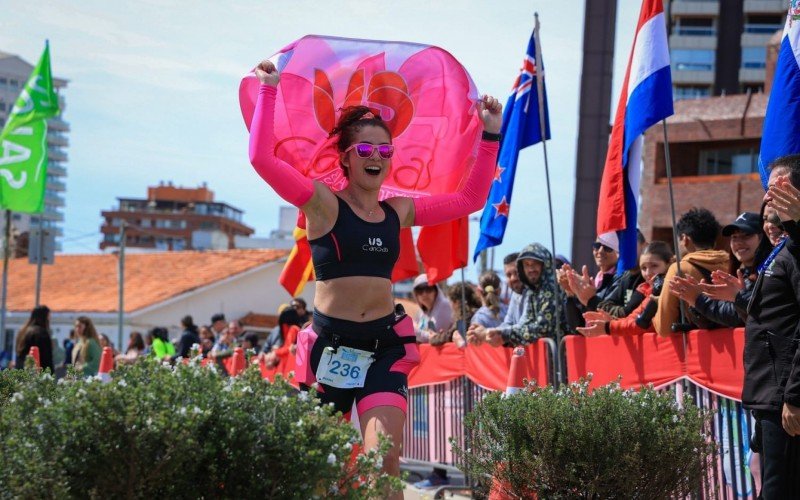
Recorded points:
(781, 133)
(521, 128)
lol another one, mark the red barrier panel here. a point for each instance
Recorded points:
(714, 360)
(485, 365)
(639, 359)
(437, 365)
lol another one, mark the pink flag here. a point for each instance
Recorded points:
(423, 92)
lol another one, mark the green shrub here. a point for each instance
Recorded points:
(175, 432)
(576, 443)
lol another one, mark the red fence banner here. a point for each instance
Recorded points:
(638, 359)
(713, 360)
(485, 365)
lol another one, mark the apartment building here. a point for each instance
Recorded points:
(719, 47)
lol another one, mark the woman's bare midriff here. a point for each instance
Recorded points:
(354, 298)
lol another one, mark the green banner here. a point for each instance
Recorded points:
(23, 142)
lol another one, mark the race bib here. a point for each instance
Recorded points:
(345, 368)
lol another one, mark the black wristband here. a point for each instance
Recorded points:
(608, 328)
(488, 136)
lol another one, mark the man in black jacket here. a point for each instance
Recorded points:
(772, 333)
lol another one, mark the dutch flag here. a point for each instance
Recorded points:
(646, 99)
(781, 133)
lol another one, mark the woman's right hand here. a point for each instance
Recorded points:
(267, 73)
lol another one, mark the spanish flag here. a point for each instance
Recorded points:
(298, 268)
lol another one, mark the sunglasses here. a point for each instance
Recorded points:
(597, 246)
(365, 150)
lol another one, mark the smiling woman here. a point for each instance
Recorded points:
(358, 348)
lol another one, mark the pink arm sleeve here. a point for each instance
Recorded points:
(442, 208)
(287, 181)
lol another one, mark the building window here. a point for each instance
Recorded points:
(116, 222)
(763, 25)
(178, 244)
(690, 92)
(208, 225)
(754, 57)
(161, 244)
(692, 60)
(161, 223)
(695, 26)
(13, 83)
(728, 161)
(145, 223)
(752, 88)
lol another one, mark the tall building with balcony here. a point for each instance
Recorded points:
(719, 47)
(173, 218)
(14, 73)
(714, 145)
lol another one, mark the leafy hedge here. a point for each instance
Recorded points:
(576, 443)
(176, 432)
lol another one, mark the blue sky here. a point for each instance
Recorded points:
(153, 90)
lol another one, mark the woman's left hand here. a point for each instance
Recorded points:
(491, 113)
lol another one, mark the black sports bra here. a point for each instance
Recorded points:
(355, 247)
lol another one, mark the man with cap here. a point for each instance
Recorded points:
(750, 247)
(535, 269)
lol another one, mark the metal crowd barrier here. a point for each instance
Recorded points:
(436, 414)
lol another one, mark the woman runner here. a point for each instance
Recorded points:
(357, 348)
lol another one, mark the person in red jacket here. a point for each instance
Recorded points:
(654, 262)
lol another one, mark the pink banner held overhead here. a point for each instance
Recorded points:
(423, 93)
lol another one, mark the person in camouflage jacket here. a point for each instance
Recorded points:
(540, 298)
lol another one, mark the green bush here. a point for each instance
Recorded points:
(576, 443)
(176, 432)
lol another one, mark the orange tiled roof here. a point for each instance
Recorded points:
(89, 282)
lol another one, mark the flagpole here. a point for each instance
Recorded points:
(682, 326)
(39, 259)
(5, 274)
(542, 129)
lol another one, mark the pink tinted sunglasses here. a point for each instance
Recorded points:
(365, 150)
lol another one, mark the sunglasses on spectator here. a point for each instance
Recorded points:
(597, 246)
(365, 150)
(424, 289)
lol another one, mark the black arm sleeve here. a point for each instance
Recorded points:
(719, 311)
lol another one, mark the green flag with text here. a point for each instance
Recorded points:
(23, 142)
